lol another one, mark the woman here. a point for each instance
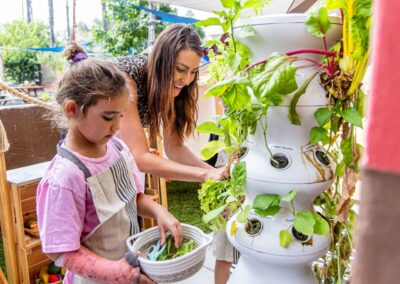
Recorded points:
(164, 93)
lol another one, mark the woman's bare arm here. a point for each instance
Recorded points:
(132, 133)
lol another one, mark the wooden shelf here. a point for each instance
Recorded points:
(32, 243)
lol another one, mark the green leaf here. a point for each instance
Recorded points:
(214, 213)
(246, 31)
(351, 115)
(267, 204)
(253, 4)
(330, 207)
(288, 198)
(239, 175)
(264, 201)
(321, 226)
(209, 127)
(335, 4)
(317, 134)
(236, 97)
(208, 22)
(234, 62)
(211, 148)
(271, 211)
(220, 88)
(323, 115)
(285, 238)
(243, 214)
(230, 198)
(262, 75)
(304, 222)
(282, 82)
(318, 22)
(340, 169)
(228, 3)
(293, 115)
(346, 146)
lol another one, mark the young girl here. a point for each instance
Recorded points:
(89, 198)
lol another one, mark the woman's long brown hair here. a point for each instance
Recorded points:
(176, 114)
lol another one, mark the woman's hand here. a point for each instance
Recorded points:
(167, 222)
(217, 174)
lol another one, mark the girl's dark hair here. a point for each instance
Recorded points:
(177, 114)
(86, 79)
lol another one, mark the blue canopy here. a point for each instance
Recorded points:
(168, 17)
(55, 49)
(46, 49)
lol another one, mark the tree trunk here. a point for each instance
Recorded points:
(104, 13)
(1, 66)
(73, 21)
(68, 27)
(29, 11)
(51, 23)
(152, 25)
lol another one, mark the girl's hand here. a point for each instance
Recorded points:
(217, 174)
(131, 274)
(93, 267)
(167, 222)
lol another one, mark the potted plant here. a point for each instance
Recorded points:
(252, 94)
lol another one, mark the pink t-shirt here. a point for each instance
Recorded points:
(65, 208)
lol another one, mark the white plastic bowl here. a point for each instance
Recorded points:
(172, 270)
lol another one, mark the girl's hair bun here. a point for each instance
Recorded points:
(71, 51)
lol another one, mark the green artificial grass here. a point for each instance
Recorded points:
(2, 258)
(184, 204)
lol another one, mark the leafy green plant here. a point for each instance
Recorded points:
(306, 222)
(19, 65)
(248, 92)
(219, 199)
(170, 252)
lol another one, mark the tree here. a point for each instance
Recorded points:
(29, 16)
(128, 27)
(104, 14)
(22, 65)
(68, 27)
(51, 23)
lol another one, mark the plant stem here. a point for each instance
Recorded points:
(233, 36)
(255, 64)
(311, 50)
(316, 63)
(338, 259)
(293, 209)
(265, 140)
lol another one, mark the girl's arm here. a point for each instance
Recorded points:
(166, 221)
(132, 133)
(91, 266)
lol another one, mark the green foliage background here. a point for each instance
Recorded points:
(21, 65)
(128, 27)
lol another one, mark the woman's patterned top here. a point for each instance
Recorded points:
(135, 66)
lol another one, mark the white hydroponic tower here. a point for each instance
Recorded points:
(303, 167)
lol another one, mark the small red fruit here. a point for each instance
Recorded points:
(53, 278)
